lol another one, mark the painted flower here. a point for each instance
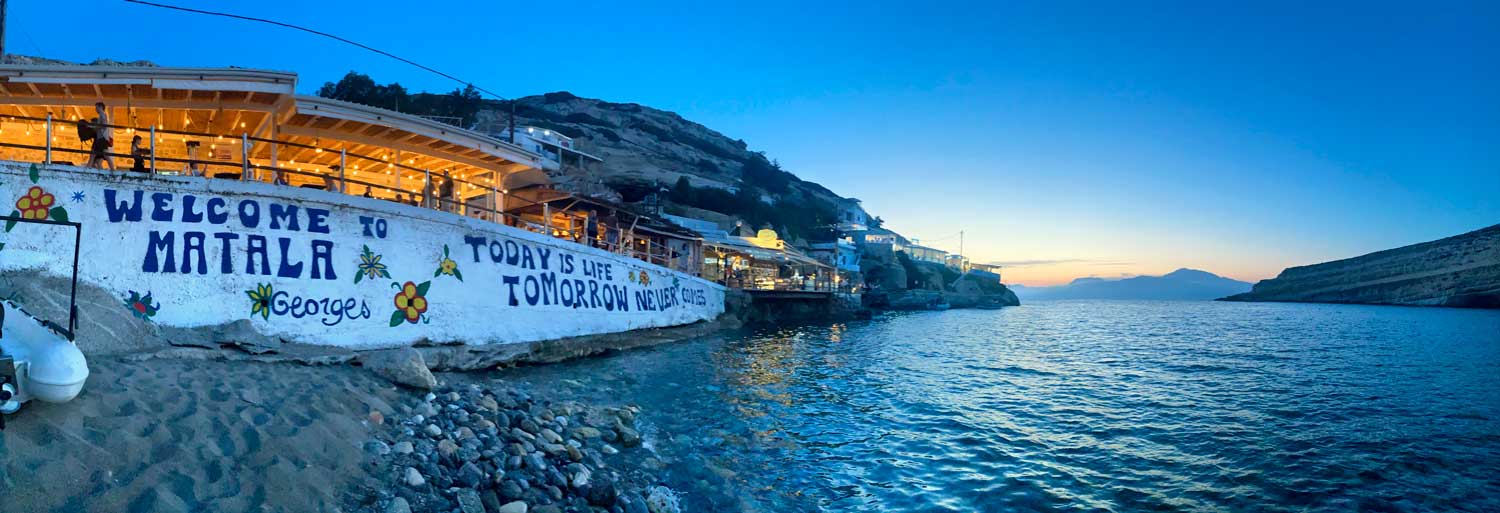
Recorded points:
(411, 303)
(447, 266)
(645, 278)
(370, 266)
(260, 300)
(36, 204)
(141, 306)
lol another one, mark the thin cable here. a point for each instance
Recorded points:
(324, 34)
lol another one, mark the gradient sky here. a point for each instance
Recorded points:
(1064, 139)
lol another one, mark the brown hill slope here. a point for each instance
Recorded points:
(646, 149)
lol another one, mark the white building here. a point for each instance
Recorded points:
(557, 150)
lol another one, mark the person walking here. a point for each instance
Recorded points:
(104, 139)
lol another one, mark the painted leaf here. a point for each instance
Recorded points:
(359, 276)
(34, 174)
(2, 245)
(397, 318)
(11, 223)
(422, 288)
(445, 251)
(436, 272)
(59, 214)
(458, 274)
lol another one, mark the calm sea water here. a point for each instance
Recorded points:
(1074, 406)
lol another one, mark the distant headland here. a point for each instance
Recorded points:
(1460, 271)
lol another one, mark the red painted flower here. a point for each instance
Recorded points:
(35, 204)
(410, 303)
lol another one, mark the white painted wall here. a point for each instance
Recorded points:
(328, 240)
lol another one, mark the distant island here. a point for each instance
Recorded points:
(1460, 271)
(1182, 284)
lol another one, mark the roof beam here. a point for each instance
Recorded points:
(144, 104)
(395, 145)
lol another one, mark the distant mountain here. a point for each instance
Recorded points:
(1462, 270)
(1189, 284)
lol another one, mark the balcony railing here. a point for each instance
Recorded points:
(470, 198)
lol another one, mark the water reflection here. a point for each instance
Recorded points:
(1075, 406)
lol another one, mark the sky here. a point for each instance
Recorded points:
(1064, 139)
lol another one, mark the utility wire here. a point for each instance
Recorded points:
(320, 33)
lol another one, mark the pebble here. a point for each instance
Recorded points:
(398, 505)
(629, 437)
(446, 448)
(510, 489)
(433, 431)
(470, 475)
(513, 507)
(402, 447)
(376, 417)
(377, 448)
(429, 397)
(414, 478)
(469, 502)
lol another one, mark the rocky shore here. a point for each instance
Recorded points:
(491, 448)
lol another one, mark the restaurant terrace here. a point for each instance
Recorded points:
(250, 125)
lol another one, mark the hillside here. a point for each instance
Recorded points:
(1182, 284)
(1463, 270)
(646, 149)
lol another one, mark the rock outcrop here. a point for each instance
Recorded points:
(647, 147)
(1461, 271)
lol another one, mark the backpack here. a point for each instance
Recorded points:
(86, 131)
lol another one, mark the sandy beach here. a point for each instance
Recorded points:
(182, 435)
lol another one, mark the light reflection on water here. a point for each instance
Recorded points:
(1074, 406)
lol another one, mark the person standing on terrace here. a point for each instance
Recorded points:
(139, 154)
(445, 193)
(104, 139)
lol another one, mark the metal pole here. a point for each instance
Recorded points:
(343, 158)
(153, 149)
(73, 293)
(48, 161)
(2, 28)
(427, 188)
(495, 204)
(244, 157)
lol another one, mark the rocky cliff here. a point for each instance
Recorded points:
(1463, 271)
(644, 146)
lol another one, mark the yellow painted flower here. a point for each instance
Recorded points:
(35, 204)
(447, 266)
(260, 300)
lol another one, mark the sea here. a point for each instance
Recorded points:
(1071, 406)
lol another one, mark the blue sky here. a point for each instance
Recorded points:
(1070, 139)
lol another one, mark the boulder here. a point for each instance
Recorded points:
(403, 366)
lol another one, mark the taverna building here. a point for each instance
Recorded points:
(234, 198)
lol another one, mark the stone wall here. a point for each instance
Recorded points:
(316, 267)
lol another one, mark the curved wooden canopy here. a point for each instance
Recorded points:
(226, 103)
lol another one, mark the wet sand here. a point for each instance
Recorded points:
(185, 435)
